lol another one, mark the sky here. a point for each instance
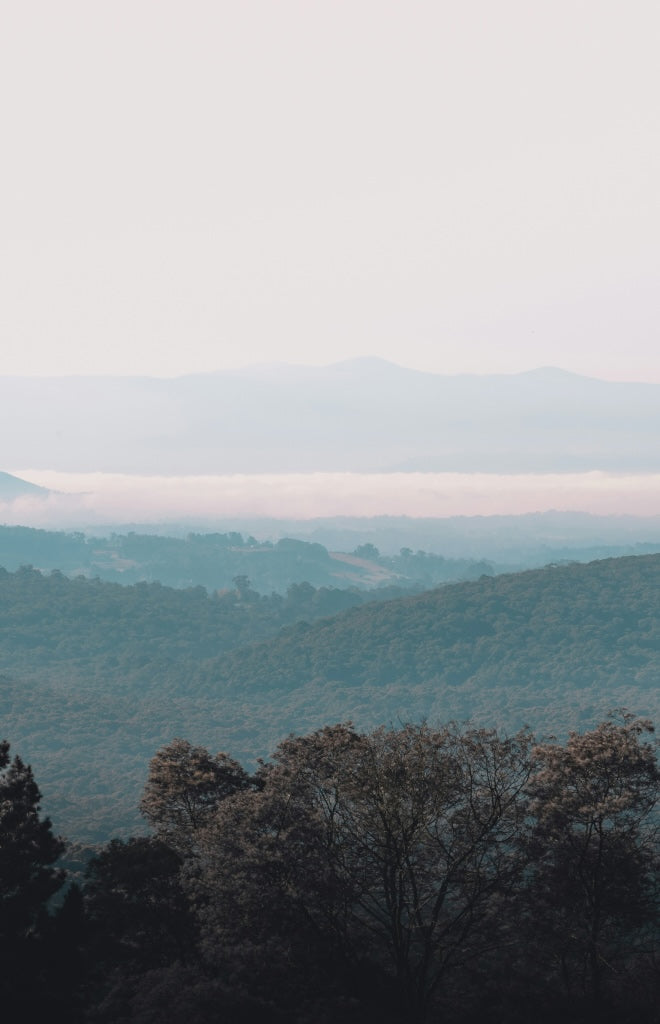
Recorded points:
(456, 187)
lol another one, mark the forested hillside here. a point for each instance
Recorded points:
(81, 629)
(551, 640)
(98, 676)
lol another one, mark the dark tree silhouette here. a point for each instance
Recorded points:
(387, 852)
(28, 879)
(593, 852)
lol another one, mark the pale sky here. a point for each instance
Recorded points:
(455, 186)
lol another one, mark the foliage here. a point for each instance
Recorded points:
(28, 851)
(184, 787)
(384, 850)
(594, 850)
(411, 873)
(135, 906)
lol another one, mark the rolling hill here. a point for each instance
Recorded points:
(98, 676)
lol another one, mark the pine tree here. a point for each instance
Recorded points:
(28, 879)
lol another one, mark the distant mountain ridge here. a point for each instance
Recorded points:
(364, 415)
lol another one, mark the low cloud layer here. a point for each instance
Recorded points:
(84, 499)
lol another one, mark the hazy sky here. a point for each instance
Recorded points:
(455, 186)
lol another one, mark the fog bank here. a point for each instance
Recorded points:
(85, 499)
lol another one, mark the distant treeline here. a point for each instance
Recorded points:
(395, 876)
(214, 560)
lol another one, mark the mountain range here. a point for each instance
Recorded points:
(365, 415)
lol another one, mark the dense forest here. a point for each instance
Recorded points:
(574, 624)
(96, 676)
(396, 876)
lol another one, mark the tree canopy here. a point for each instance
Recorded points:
(408, 869)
